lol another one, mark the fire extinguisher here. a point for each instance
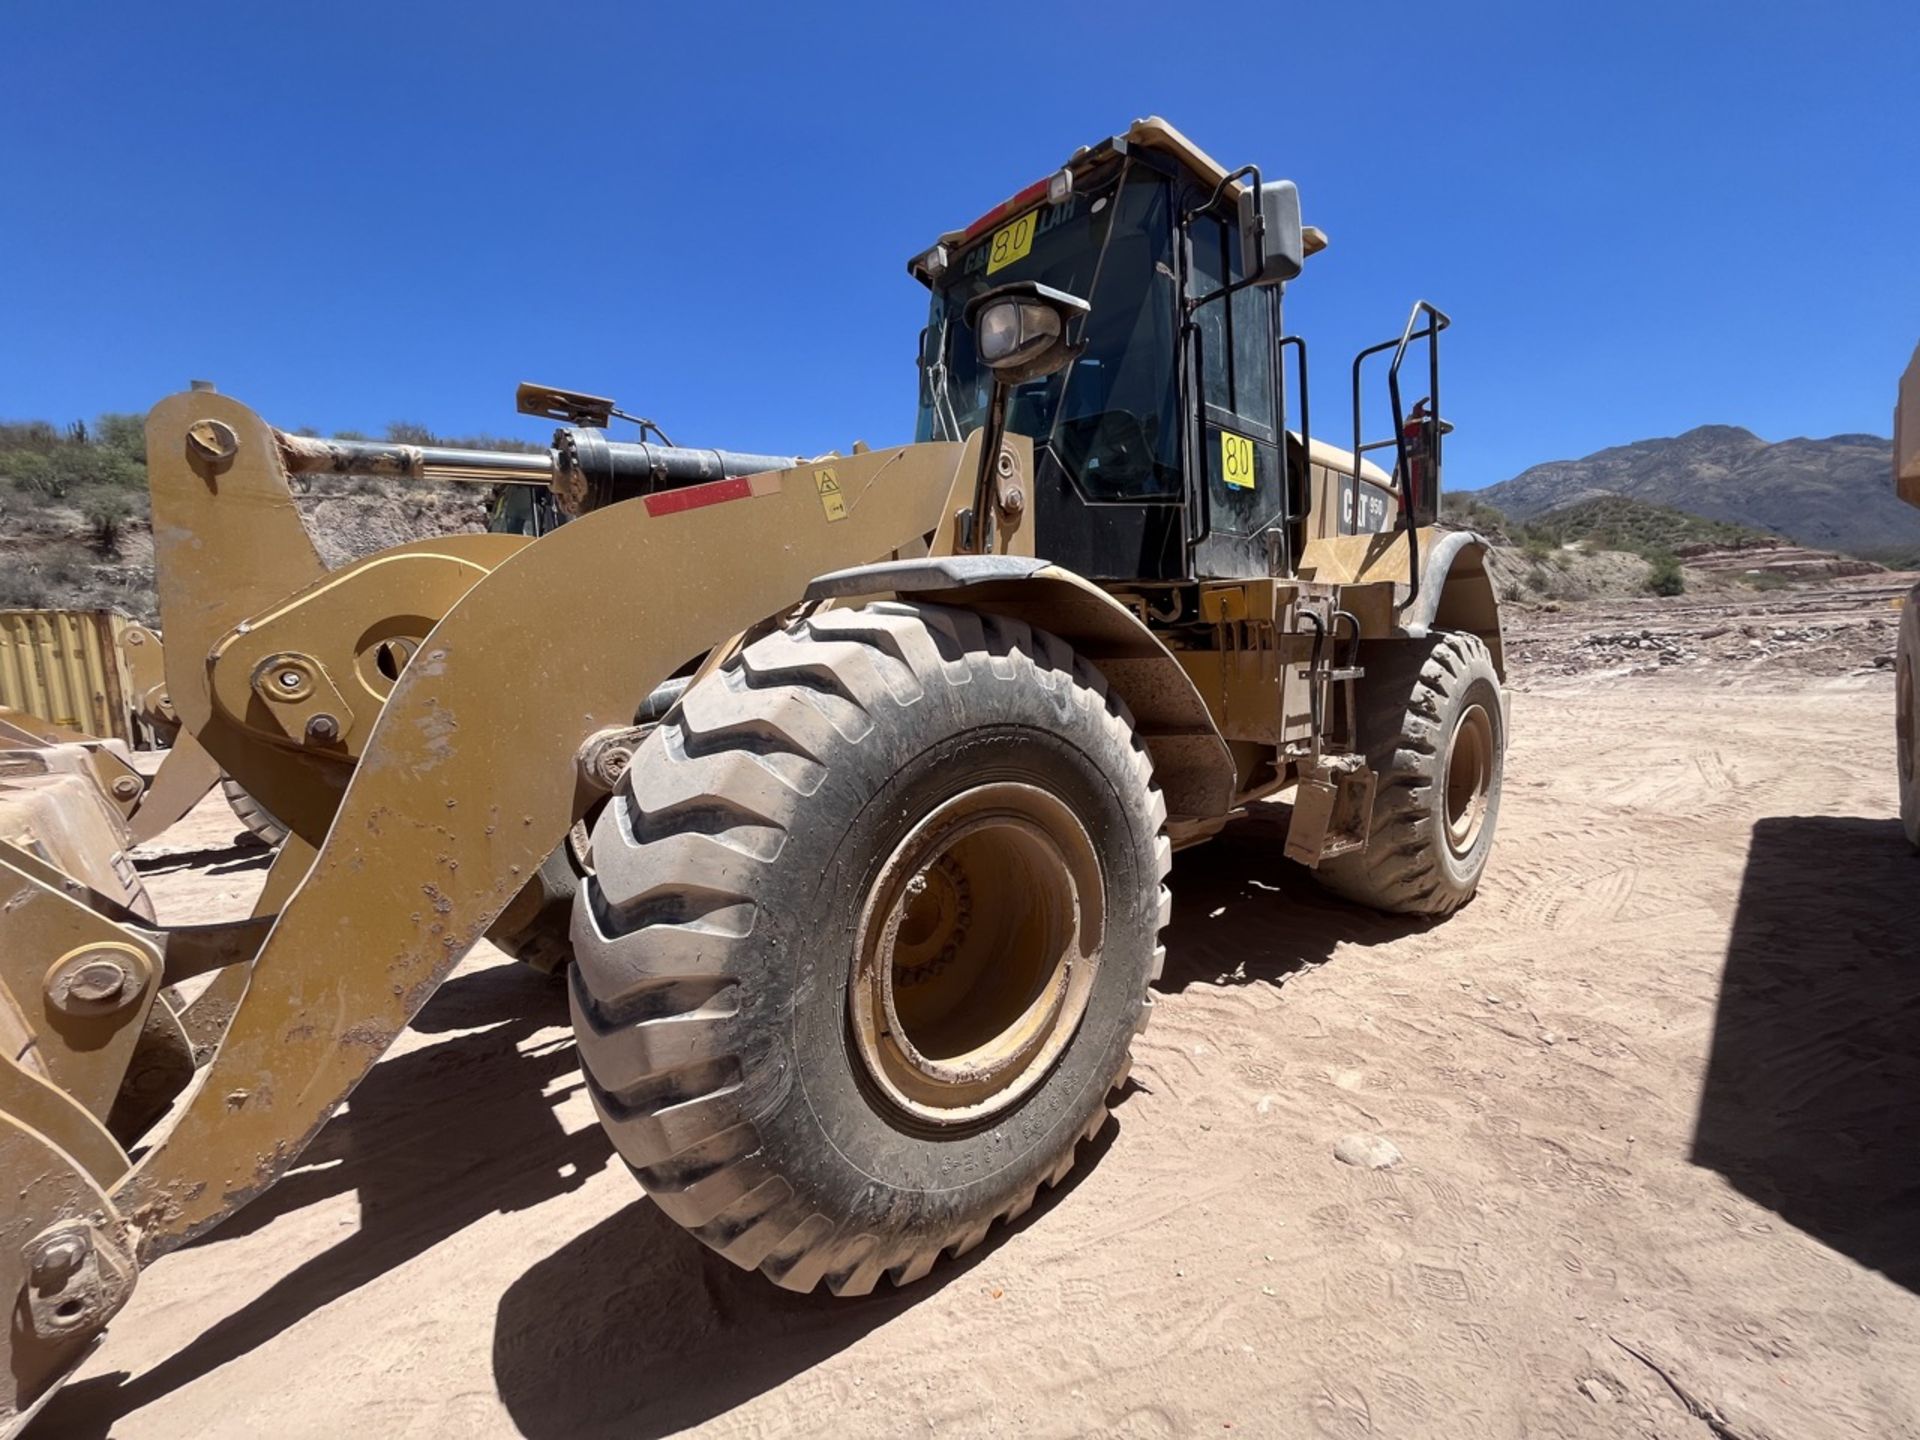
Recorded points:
(1420, 435)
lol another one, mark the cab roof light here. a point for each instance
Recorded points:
(1054, 189)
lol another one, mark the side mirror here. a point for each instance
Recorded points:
(1272, 243)
(1020, 330)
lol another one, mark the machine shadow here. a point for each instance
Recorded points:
(632, 1329)
(234, 859)
(421, 1169)
(1244, 914)
(629, 1329)
(1808, 1106)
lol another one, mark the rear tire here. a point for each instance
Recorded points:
(1434, 733)
(264, 825)
(1906, 672)
(812, 895)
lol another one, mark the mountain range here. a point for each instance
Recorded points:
(1831, 494)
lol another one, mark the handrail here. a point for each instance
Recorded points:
(1436, 321)
(1299, 344)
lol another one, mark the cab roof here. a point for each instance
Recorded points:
(1152, 133)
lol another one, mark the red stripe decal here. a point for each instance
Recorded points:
(1000, 212)
(714, 492)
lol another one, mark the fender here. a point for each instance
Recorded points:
(1456, 592)
(1190, 759)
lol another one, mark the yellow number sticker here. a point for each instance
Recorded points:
(1236, 460)
(1012, 242)
(828, 484)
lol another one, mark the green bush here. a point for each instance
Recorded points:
(1619, 522)
(107, 516)
(1463, 508)
(54, 474)
(1666, 577)
(124, 434)
(24, 589)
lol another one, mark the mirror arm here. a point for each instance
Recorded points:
(1019, 365)
(1260, 229)
(1259, 256)
(978, 539)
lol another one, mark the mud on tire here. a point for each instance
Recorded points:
(722, 941)
(1434, 733)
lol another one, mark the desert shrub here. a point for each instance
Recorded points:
(54, 474)
(35, 472)
(1463, 508)
(107, 516)
(24, 589)
(123, 434)
(1665, 577)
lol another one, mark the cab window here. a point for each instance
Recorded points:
(1236, 344)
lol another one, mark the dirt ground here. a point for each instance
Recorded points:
(1654, 1090)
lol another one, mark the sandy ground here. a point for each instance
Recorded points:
(1654, 1090)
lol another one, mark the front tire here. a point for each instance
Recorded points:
(870, 929)
(1434, 732)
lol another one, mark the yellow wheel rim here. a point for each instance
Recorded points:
(976, 954)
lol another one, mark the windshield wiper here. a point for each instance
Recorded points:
(945, 419)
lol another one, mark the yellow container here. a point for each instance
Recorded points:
(67, 666)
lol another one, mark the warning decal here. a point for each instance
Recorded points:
(831, 501)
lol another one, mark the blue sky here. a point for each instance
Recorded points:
(1642, 218)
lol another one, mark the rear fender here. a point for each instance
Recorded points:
(1456, 593)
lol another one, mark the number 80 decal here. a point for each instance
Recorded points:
(1236, 460)
(1012, 242)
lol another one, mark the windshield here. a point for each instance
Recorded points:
(1112, 417)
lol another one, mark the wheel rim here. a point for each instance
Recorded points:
(1469, 782)
(976, 954)
(1903, 717)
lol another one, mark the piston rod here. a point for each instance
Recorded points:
(584, 468)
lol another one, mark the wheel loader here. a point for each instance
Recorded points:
(1906, 670)
(842, 790)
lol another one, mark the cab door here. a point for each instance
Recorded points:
(1237, 491)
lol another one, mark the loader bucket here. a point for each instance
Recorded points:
(431, 797)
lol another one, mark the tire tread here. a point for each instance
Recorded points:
(701, 819)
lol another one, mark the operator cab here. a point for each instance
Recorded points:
(1136, 481)
(529, 510)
